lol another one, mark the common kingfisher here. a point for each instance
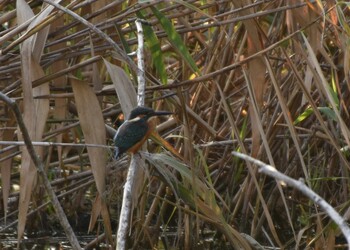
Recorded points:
(135, 130)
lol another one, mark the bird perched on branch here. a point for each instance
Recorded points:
(135, 130)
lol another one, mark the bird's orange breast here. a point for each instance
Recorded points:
(135, 148)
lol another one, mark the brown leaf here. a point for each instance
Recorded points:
(95, 212)
(100, 207)
(35, 113)
(123, 86)
(93, 126)
(5, 166)
(256, 71)
(35, 117)
(157, 138)
(24, 12)
(60, 106)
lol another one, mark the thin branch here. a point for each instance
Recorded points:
(50, 144)
(213, 74)
(300, 185)
(45, 204)
(134, 170)
(99, 32)
(40, 167)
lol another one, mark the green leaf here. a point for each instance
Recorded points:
(162, 160)
(153, 44)
(122, 39)
(342, 18)
(304, 115)
(328, 112)
(175, 39)
(333, 90)
(198, 200)
(324, 110)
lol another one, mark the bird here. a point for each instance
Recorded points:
(135, 130)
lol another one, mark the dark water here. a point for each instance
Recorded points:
(9, 241)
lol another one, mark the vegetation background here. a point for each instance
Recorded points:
(266, 78)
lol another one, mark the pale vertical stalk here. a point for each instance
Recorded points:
(134, 171)
(141, 65)
(124, 218)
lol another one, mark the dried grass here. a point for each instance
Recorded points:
(237, 78)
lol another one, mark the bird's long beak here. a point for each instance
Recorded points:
(159, 113)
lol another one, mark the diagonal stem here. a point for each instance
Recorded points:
(40, 167)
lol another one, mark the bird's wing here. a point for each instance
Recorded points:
(128, 134)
